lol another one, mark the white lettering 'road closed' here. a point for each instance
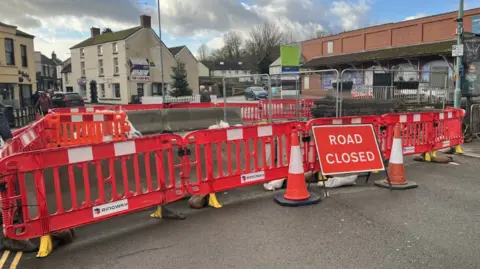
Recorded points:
(110, 208)
(345, 140)
(351, 157)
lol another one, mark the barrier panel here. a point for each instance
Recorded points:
(222, 159)
(85, 128)
(447, 131)
(59, 189)
(475, 120)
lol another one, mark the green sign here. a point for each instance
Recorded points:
(290, 55)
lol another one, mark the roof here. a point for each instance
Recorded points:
(47, 61)
(67, 69)
(18, 33)
(425, 49)
(107, 37)
(57, 61)
(176, 50)
(227, 65)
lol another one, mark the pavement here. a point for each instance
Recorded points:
(433, 226)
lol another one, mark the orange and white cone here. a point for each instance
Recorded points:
(296, 193)
(396, 169)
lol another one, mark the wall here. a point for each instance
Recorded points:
(428, 29)
(144, 44)
(191, 65)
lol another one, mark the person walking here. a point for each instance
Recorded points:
(204, 95)
(5, 131)
(44, 103)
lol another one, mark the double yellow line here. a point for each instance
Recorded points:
(15, 261)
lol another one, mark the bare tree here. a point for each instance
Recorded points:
(263, 39)
(288, 38)
(233, 43)
(318, 34)
(106, 30)
(203, 52)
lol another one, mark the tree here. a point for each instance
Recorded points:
(203, 52)
(106, 30)
(180, 82)
(264, 39)
(232, 45)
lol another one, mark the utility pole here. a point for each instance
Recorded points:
(164, 94)
(458, 78)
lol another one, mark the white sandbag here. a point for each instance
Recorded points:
(274, 184)
(335, 182)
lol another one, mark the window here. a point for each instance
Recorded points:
(23, 51)
(116, 90)
(82, 52)
(115, 66)
(82, 67)
(69, 89)
(100, 49)
(102, 90)
(236, 72)
(83, 91)
(9, 52)
(100, 67)
(115, 47)
(330, 47)
(476, 24)
(44, 70)
(140, 91)
(66, 78)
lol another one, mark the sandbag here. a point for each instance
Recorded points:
(198, 201)
(335, 182)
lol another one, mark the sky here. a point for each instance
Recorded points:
(60, 24)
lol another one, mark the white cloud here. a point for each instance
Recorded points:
(417, 16)
(60, 24)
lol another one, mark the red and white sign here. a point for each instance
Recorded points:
(344, 149)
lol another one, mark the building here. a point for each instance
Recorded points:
(66, 75)
(422, 44)
(58, 69)
(17, 66)
(46, 69)
(184, 55)
(220, 69)
(122, 65)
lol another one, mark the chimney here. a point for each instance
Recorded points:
(146, 21)
(54, 56)
(94, 31)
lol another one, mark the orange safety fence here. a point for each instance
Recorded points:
(56, 189)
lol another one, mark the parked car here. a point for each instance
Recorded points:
(255, 93)
(67, 99)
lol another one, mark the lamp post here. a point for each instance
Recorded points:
(161, 51)
(458, 78)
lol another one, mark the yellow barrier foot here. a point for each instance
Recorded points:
(428, 157)
(434, 154)
(157, 214)
(375, 172)
(213, 202)
(459, 149)
(46, 246)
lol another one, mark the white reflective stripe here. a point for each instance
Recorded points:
(25, 139)
(78, 155)
(449, 115)
(403, 118)
(107, 138)
(442, 116)
(74, 110)
(296, 161)
(98, 117)
(264, 130)
(234, 134)
(125, 148)
(337, 121)
(77, 118)
(357, 120)
(396, 157)
(90, 109)
(416, 117)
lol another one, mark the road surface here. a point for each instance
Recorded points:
(433, 226)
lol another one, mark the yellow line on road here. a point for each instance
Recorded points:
(16, 260)
(4, 258)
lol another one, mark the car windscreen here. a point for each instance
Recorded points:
(58, 96)
(72, 95)
(257, 89)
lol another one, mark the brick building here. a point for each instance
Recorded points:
(422, 44)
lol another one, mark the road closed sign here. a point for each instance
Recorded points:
(344, 149)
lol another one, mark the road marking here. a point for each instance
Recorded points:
(16, 260)
(4, 258)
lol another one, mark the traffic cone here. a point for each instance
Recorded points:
(396, 169)
(296, 193)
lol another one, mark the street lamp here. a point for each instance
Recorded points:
(164, 94)
(458, 91)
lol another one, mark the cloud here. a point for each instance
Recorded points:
(417, 16)
(59, 24)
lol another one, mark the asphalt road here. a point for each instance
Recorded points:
(433, 226)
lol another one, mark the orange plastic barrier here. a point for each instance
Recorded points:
(86, 128)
